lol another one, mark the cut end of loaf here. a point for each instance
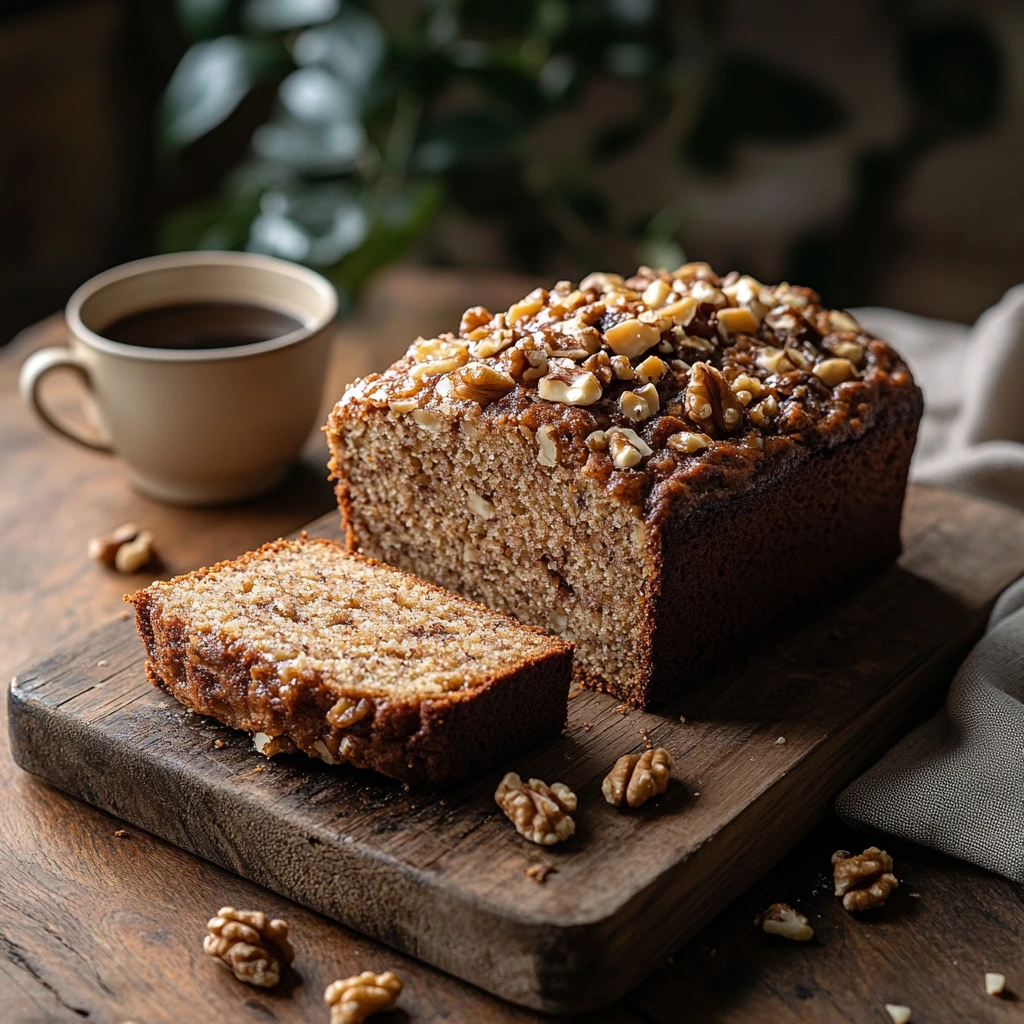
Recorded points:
(351, 660)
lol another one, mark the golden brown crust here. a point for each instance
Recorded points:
(432, 739)
(755, 371)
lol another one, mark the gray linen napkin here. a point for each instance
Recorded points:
(956, 783)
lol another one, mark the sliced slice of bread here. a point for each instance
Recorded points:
(312, 648)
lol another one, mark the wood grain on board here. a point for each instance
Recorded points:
(443, 878)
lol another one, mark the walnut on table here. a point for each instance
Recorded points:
(781, 919)
(354, 999)
(127, 549)
(899, 1014)
(635, 778)
(539, 812)
(995, 984)
(864, 881)
(251, 944)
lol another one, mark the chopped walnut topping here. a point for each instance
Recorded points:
(692, 271)
(251, 944)
(851, 350)
(864, 881)
(632, 338)
(744, 291)
(565, 302)
(712, 357)
(622, 368)
(627, 448)
(841, 321)
(640, 404)
(481, 383)
(532, 304)
(799, 358)
(744, 384)
(762, 413)
(633, 407)
(688, 441)
(635, 778)
(774, 360)
(835, 371)
(437, 355)
(709, 400)
(738, 320)
(577, 388)
(354, 999)
(474, 317)
(651, 370)
(675, 314)
(601, 367)
(601, 282)
(540, 813)
(782, 919)
(656, 293)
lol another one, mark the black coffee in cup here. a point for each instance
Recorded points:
(201, 325)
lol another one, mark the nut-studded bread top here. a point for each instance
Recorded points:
(664, 386)
(362, 629)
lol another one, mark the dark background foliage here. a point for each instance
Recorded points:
(543, 136)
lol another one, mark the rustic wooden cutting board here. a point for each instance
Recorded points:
(442, 876)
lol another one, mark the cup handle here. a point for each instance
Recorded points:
(34, 369)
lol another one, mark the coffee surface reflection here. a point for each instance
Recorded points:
(201, 325)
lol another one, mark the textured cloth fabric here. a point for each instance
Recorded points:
(956, 783)
(972, 435)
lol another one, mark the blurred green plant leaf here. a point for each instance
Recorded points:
(310, 148)
(394, 226)
(210, 81)
(467, 137)
(754, 100)
(658, 245)
(352, 46)
(218, 223)
(317, 225)
(203, 18)
(284, 15)
(317, 95)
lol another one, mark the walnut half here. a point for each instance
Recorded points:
(709, 400)
(865, 880)
(354, 999)
(635, 778)
(251, 944)
(539, 812)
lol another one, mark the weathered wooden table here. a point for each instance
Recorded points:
(96, 926)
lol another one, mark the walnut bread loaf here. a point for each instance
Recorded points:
(650, 467)
(312, 648)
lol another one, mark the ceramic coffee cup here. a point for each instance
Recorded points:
(196, 426)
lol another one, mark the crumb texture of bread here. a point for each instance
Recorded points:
(647, 466)
(350, 660)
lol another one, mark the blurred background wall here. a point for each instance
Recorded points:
(872, 150)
